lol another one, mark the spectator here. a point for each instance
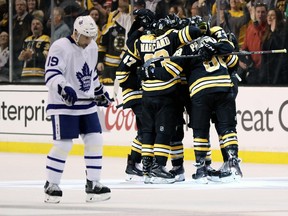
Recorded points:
(4, 57)
(250, 65)
(159, 7)
(95, 14)
(98, 17)
(238, 18)
(233, 17)
(72, 10)
(61, 29)
(4, 17)
(200, 8)
(282, 6)
(34, 53)
(32, 5)
(178, 10)
(112, 41)
(104, 8)
(274, 67)
(21, 29)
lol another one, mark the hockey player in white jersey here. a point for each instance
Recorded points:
(70, 74)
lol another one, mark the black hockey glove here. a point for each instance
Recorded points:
(144, 16)
(102, 97)
(204, 28)
(147, 73)
(68, 94)
(207, 51)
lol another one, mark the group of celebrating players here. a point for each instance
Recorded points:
(170, 66)
(192, 70)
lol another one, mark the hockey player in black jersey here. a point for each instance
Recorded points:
(211, 90)
(131, 89)
(160, 96)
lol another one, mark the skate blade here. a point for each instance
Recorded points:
(180, 178)
(147, 179)
(159, 180)
(213, 178)
(134, 178)
(52, 199)
(235, 176)
(202, 180)
(97, 197)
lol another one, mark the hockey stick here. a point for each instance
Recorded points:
(87, 99)
(150, 61)
(115, 88)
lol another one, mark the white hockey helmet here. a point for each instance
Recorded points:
(85, 25)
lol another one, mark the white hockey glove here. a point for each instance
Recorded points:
(102, 97)
(68, 94)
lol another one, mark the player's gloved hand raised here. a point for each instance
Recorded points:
(207, 51)
(68, 94)
(147, 73)
(102, 97)
(144, 16)
(204, 28)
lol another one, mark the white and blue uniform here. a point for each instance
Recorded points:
(70, 65)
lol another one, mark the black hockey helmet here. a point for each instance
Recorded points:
(145, 16)
(174, 20)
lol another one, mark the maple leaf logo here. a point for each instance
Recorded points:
(84, 78)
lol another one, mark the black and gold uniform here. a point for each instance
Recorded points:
(211, 90)
(35, 67)
(129, 81)
(160, 97)
(112, 43)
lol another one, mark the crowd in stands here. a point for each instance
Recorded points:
(257, 24)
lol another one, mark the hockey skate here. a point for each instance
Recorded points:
(133, 170)
(212, 174)
(178, 172)
(159, 175)
(96, 191)
(147, 164)
(53, 193)
(200, 176)
(230, 170)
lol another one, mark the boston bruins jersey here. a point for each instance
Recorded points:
(112, 43)
(129, 80)
(232, 60)
(209, 76)
(150, 46)
(36, 65)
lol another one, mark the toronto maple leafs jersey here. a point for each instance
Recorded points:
(68, 63)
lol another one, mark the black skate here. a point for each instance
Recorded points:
(147, 165)
(159, 175)
(133, 170)
(212, 174)
(53, 193)
(96, 191)
(230, 170)
(178, 172)
(200, 176)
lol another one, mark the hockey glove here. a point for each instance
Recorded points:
(207, 51)
(204, 28)
(68, 94)
(147, 73)
(102, 97)
(144, 16)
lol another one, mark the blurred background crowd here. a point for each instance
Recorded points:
(29, 27)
